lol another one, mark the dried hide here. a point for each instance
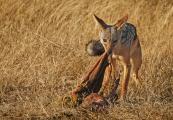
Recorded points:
(92, 82)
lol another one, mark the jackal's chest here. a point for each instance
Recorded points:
(117, 57)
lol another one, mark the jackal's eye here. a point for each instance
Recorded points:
(104, 40)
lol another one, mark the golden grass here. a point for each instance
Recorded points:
(42, 56)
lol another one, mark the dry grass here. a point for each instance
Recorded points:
(42, 56)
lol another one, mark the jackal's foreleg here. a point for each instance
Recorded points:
(115, 69)
(125, 82)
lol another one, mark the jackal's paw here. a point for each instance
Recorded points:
(74, 97)
(121, 100)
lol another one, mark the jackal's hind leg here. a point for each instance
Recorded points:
(136, 60)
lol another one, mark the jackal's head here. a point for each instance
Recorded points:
(109, 33)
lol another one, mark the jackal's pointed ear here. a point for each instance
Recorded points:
(121, 21)
(100, 22)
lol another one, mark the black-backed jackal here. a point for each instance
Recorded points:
(126, 49)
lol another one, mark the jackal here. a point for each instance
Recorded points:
(126, 50)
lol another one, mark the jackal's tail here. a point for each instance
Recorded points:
(94, 48)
